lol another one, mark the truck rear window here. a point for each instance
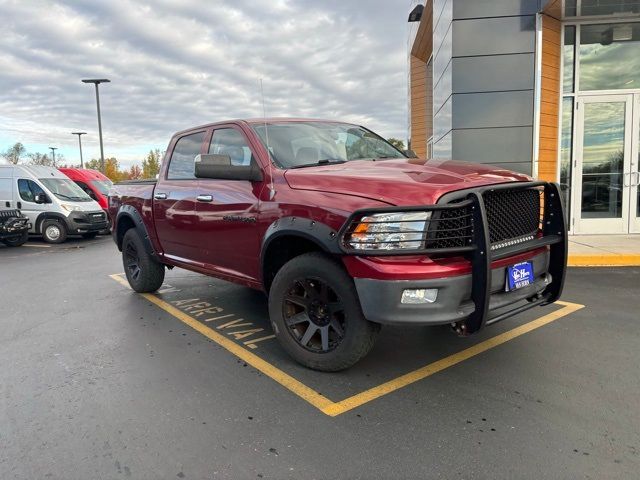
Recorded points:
(182, 163)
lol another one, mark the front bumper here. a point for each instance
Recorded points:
(380, 299)
(86, 222)
(477, 299)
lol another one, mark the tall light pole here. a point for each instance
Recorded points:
(96, 82)
(53, 153)
(80, 145)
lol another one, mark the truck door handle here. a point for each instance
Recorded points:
(19, 205)
(205, 198)
(160, 196)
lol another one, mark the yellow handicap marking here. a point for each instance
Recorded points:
(324, 404)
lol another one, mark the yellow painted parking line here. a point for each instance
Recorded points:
(435, 367)
(314, 398)
(605, 260)
(324, 404)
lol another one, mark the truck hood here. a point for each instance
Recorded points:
(399, 182)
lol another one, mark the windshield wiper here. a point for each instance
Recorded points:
(324, 161)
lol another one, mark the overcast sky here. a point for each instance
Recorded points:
(179, 63)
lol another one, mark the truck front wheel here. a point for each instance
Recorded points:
(144, 274)
(316, 314)
(16, 241)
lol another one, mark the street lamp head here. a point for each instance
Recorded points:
(96, 80)
(78, 133)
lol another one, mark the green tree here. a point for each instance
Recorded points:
(396, 142)
(93, 164)
(14, 154)
(151, 164)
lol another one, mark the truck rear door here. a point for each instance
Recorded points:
(174, 200)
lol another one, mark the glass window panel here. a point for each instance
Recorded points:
(568, 58)
(609, 7)
(182, 163)
(603, 160)
(570, 9)
(566, 150)
(609, 58)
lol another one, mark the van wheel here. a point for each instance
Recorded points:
(90, 235)
(144, 274)
(54, 231)
(316, 314)
(16, 241)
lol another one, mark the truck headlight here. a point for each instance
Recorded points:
(70, 208)
(389, 231)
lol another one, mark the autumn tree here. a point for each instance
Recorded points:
(151, 164)
(135, 173)
(13, 154)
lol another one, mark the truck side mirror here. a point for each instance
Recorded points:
(410, 154)
(211, 165)
(40, 198)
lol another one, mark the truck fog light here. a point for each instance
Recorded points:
(419, 295)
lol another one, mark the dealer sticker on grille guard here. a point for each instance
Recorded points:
(519, 275)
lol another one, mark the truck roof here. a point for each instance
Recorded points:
(255, 121)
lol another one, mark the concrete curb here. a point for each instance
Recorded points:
(604, 260)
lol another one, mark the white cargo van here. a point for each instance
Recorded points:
(55, 205)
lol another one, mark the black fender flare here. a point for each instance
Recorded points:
(130, 212)
(49, 216)
(319, 233)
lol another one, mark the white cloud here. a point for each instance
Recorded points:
(179, 63)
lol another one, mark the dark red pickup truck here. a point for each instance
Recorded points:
(343, 232)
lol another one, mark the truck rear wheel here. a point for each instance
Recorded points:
(144, 274)
(54, 231)
(16, 241)
(316, 314)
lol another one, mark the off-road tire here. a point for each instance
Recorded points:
(358, 334)
(144, 273)
(16, 241)
(54, 231)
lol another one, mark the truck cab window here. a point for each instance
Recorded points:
(228, 141)
(182, 163)
(28, 190)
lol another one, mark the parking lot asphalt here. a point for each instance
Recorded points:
(99, 382)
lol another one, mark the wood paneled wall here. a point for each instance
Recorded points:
(549, 99)
(421, 116)
(421, 83)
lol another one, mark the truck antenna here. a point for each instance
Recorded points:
(272, 190)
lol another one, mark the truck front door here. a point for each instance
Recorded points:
(174, 198)
(227, 212)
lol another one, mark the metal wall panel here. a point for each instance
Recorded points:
(493, 73)
(493, 8)
(496, 109)
(493, 36)
(493, 145)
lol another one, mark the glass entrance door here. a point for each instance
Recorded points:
(603, 176)
(634, 175)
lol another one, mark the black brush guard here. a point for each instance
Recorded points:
(12, 222)
(477, 248)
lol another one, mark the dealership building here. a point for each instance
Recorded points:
(549, 88)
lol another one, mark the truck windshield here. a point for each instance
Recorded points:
(65, 189)
(306, 144)
(102, 186)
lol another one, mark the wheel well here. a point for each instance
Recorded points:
(280, 251)
(124, 224)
